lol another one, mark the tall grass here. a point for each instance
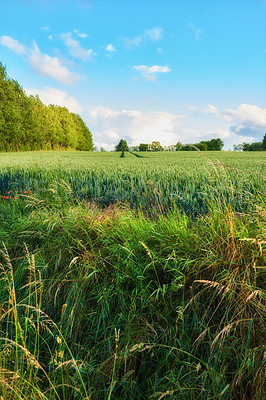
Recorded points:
(117, 303)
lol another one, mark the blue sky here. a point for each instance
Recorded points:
(172, 70)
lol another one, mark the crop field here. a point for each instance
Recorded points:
(132, 278)
(155, 182)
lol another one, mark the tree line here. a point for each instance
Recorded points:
(27, 124)
(204, 145)
(255, 146)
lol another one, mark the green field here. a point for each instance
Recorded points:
(132, 278)
(156, 182)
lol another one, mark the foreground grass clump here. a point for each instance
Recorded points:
(109, 304)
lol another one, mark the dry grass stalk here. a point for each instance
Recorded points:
(200, 338)
(31, 359)
(222, 334)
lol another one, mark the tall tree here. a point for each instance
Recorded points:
(27, 124)
(264, 142)
(178, 146)
(143, 147)
(156, 146)
(122, 146)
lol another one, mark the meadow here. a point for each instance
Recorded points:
(132, 278)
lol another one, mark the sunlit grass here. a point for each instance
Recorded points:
(122, 302)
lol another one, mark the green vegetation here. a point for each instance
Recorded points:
(204, 145)
(154, 146)
(256, 146)
(122, 146)
(27, 124)
(157, 181)
(132, 279)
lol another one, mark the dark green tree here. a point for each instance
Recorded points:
(256, 146)
(215, 144)
(143, 147)
(202, 146)
(264, 142)
(156, 146)
(186, 147)
(85, 142)
(246, 146)
(27, 124)
(122, 146)
(178, 146)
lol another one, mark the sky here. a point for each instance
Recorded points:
(144, 70)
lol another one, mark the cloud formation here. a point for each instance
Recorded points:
(210, 109)
(196, 31)
(109, 126)
(80, 34)
(149, 73)
(130, 44)
(250, 115)
(42, 64)
(155, 34)
(110, 49)
(58, 97)
(246, 120)
(74, 47)
(245, 123)
(51, 67)
(13, 44)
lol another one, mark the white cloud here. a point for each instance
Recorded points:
(150, 72)
(247, 115)
(110, 48)
(45, 28)
(109, 126)
(155, 34)
(210, 109)
(196, 31)
(130, 44)
(42, 64)
(222, 134)
(246, 120)
(51, 67)
(80, 34)
(58, 97)
(75, 49)
(13, 44)
(246, 123)
(102, 112)
(191, 107)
